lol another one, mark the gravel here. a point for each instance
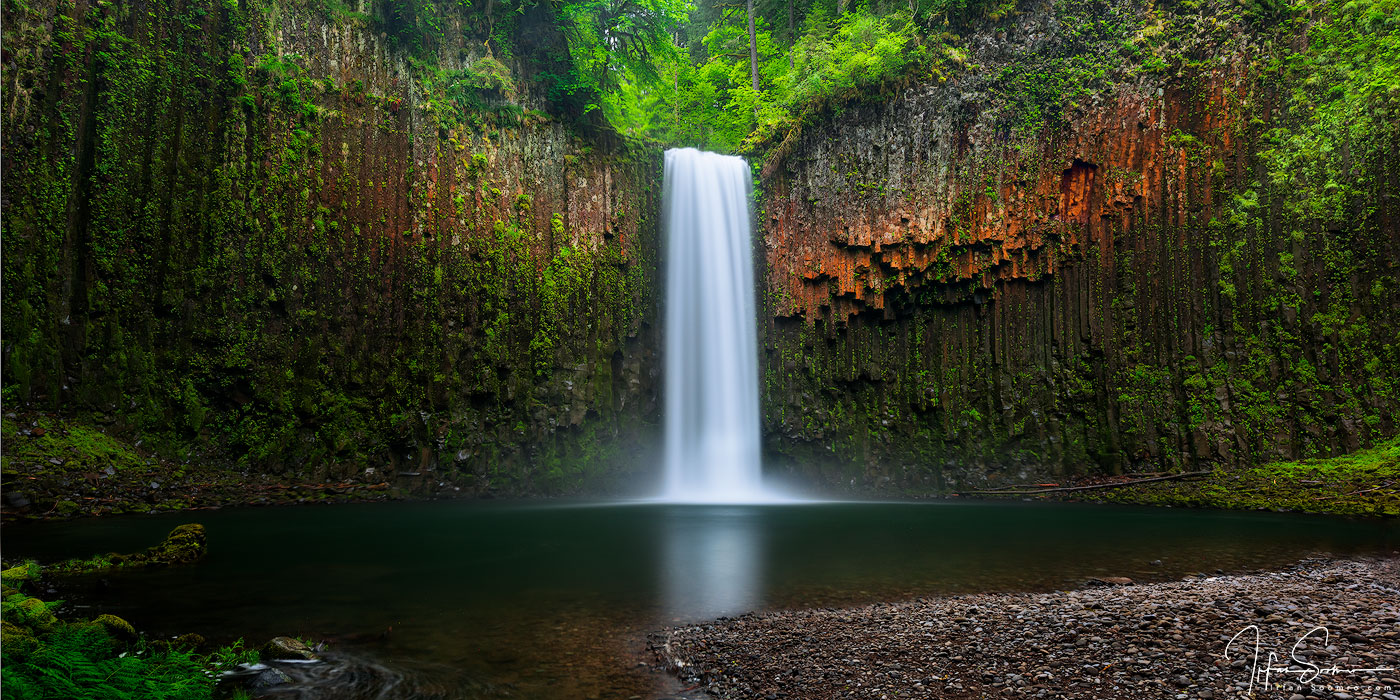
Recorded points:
(1158, 640)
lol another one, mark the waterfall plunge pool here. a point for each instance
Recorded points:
(470, 599)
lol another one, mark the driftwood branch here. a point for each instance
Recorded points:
(1169, 477)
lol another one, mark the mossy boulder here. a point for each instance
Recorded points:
(185, 544)
(16, 640)
(30, 613)
(117, 627)
(16, 575)
(287, 648)
(10, 632)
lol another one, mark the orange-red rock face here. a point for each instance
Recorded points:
(971, 209)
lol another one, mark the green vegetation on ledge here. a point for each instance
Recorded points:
(57, 468)
(1363, 483)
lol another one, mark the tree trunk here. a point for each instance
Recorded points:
(792, 35)
(490, 28)
(753, 58)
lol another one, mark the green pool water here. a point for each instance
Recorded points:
(483, 599)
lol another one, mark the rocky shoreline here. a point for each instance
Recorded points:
(1157, 640)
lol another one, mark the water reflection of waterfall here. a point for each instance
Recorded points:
(712, 431)
(712, 561)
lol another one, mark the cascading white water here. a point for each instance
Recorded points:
(712, 438)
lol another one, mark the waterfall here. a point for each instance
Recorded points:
(712, 436)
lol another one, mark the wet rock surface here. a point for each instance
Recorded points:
(1121, 641)
(288, 648)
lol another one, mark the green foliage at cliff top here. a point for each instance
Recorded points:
(817, 54)
(679, 71)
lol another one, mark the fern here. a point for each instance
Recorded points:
(77, 661)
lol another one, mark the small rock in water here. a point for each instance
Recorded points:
(268, 678)
(288, 648)
(1111, 581)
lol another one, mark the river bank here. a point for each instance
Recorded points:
(55, 469)
(1111, 640)
(1364, 483)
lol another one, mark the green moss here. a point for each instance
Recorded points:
(30, 613)
(1361, 483)
(75, 447)
(185, 544)
(116, 627)
(16, 575)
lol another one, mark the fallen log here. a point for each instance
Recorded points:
(1169, 477)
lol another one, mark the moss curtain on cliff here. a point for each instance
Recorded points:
(278, 233)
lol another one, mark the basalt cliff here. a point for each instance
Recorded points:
(327, 241)
(963, 288)
(340, 241)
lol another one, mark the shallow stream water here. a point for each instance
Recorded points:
(479, 599)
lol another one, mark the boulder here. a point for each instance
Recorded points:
(119, 629)
(288, 648)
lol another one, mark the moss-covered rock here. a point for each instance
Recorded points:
(185, 544)
(287, 648)
(15, 639)
(45, 657)
(10, 631)
(31, 613)
(16, 575)
(117, 627)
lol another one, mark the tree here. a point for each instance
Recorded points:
(614, 40)
(753, 56)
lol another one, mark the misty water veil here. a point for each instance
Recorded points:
(712, 431)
